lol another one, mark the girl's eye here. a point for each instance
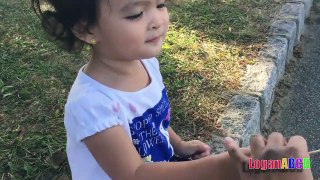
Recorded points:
(135, 17)
(161, 6)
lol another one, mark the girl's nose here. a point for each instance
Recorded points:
(155, 26)
(156, 20)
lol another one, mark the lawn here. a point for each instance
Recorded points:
(207, 48)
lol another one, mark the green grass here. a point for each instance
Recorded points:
(207, 48)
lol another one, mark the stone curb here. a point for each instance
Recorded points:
(249, 110)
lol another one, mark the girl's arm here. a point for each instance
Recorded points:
(175, 140)
(116, 154)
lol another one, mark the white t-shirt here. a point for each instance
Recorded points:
(92, 107)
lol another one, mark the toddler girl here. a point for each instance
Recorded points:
(117, 116)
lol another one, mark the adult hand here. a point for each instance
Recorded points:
(275, 148)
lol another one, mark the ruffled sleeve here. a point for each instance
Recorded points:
(91, 114)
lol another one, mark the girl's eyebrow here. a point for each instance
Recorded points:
(134, 3)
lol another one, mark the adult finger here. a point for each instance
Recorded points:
(275, 139)
(246, 151)
(257, 144)
(299, 144)
(234, 150)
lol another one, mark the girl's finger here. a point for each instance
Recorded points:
(234, 150)
(201, 152)
(201, 148)
(198, 156)
(257, 144)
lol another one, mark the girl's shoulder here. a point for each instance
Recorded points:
(85, 90)
(153, 68)
(153, 62)
(89, 110)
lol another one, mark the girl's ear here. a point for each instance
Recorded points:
(81, 32)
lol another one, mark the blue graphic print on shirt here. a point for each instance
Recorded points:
(149, 132)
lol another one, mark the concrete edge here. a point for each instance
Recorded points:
(248, 111)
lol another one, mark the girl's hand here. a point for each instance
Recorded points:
(275, 148)
(194, 149)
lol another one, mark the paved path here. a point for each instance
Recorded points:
(301, 112)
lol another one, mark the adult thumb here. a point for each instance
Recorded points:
(234, 150)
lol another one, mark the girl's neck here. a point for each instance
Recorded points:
(118, 74)
(104, 66)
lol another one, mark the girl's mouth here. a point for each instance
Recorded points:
(153, 40)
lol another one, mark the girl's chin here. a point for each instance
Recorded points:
(151, 55)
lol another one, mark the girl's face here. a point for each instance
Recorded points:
(131, 29)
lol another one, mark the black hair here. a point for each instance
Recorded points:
(63, 15)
